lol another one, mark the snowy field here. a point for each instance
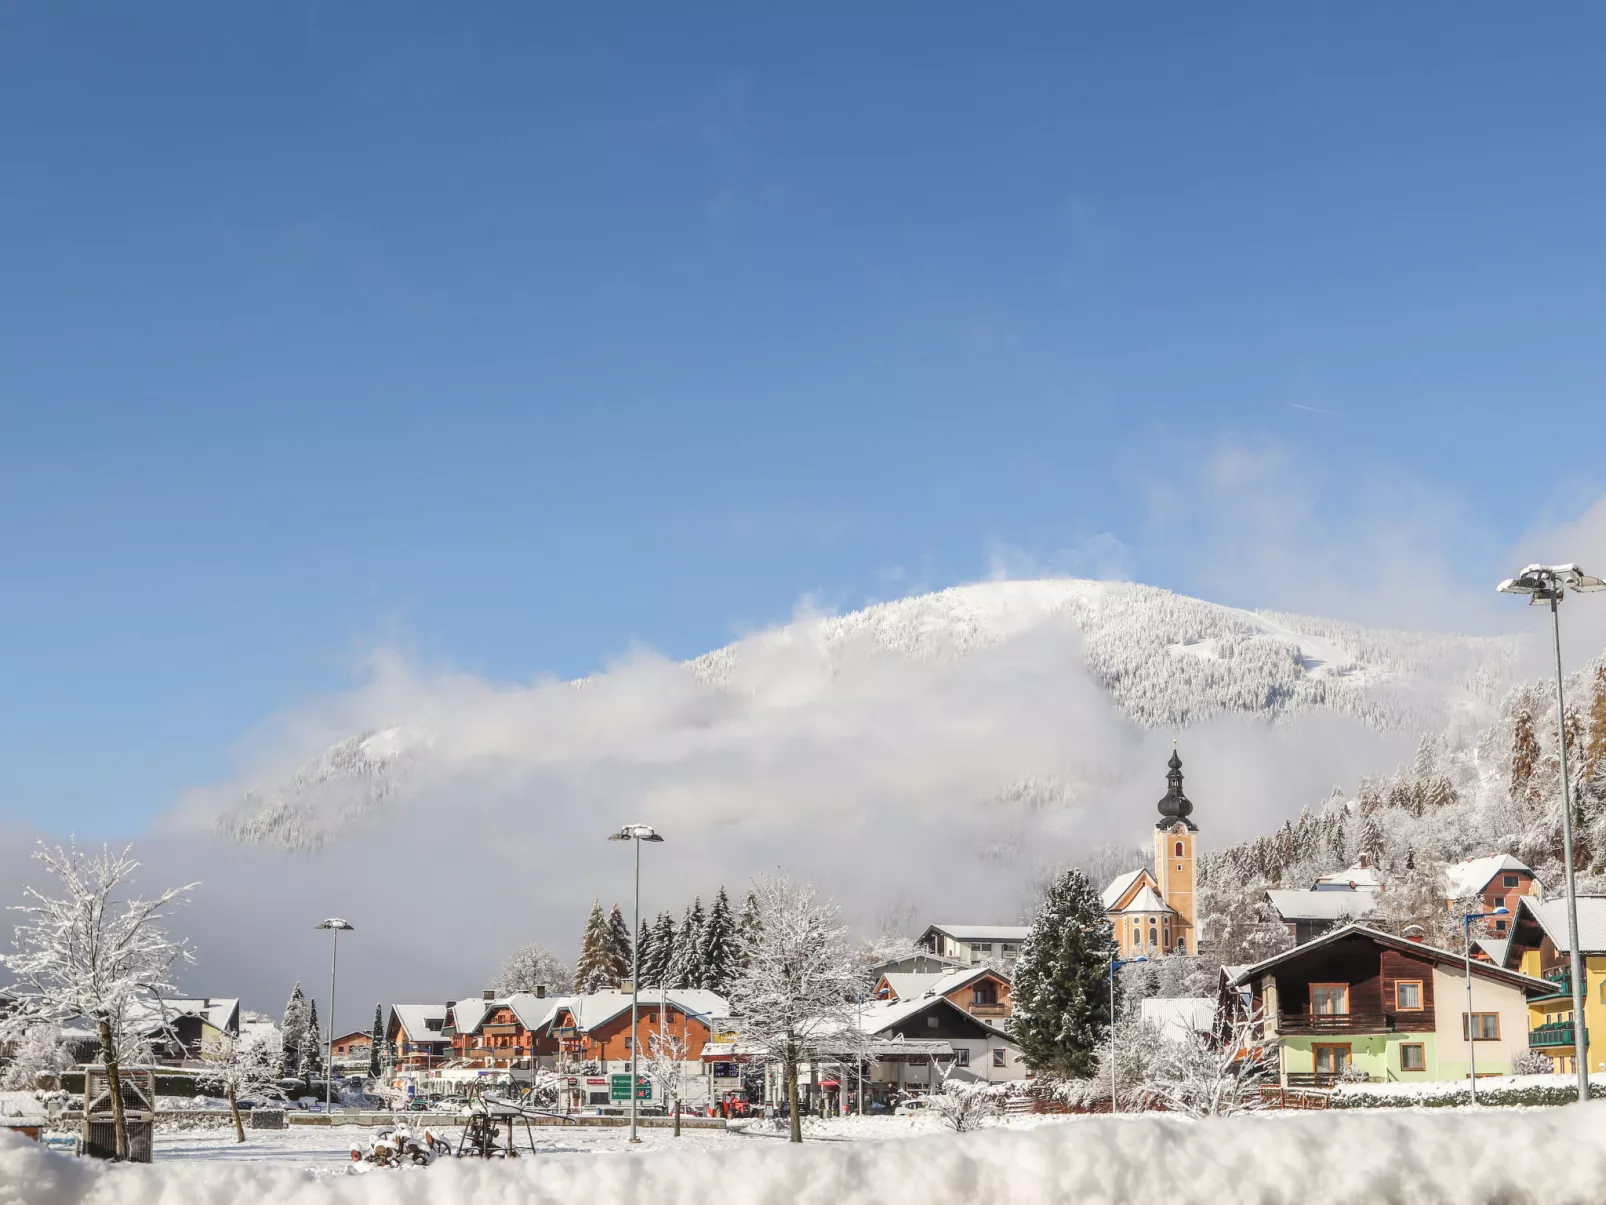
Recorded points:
(1510, 1157)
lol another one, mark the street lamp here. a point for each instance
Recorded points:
(1115, 965)
(1472, 1036)
(334, 924)
(637, 833)
(1550, 583)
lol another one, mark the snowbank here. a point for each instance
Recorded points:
(1552, 1156)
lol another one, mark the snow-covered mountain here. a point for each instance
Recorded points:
(1164, 660)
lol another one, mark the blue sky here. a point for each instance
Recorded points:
(516, 337)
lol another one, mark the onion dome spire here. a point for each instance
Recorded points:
(1175, 806)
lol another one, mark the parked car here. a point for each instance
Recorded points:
(912, 1106)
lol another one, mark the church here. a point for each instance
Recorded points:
(1153, 912)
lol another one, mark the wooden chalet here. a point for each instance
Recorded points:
(980, 991)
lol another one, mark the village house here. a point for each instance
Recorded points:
(353, 1047)
(1539, 947)
(976, 945)
(980, 991)
(1152, 912)
(416, 1033)
(180, 1029)
(1386, 1006)
(1490, 883)
(911, 1035)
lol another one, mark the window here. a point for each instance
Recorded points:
(1485, 1027)
(1329, 999)
(961, 1057)
(931, 1022)
(1509, 881)
(1603, 991)
(1500, 926)
(1154, 938)
(998, 1056)
(1413, 1056)
(984, 947)
(1499, 901)
(1179, 849)
(1331, 1059)
(984, 993)
(1408, 995)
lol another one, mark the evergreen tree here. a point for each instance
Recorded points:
(1595, 747)
(295, 1031)
(376, 1042)
(593, 969)
(1371, 841)
(644, 951)
(621, 951)
(718, 955)
(1524, 759)
(685, 969)
(1061, 990)
(663, 951)
(311, 1068)
(747, 927)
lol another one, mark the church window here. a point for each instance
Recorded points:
(1154, 938)
(1179, 849)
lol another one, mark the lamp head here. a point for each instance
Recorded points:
(1542, 583)
(636, 832)
(334, 922)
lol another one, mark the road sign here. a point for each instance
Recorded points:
(619, 1087)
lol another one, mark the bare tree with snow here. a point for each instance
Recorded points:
(92, 955)
(1217, 1074)
(33, 1055)
(533, 966)
(666, 1067)
(244, 1064)
(795, 997)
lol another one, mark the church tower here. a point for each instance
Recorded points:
(1174, 838)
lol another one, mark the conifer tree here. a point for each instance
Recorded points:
(1524, 759)
(747, 926)
(1371, 840)
(295, 1031)
(685, 969)
(311, 1068)
(592, 970)
(621, 951)
(644, 951)
(1061, 990)
(663, 951)
(376, 1041)
(1595, 745)
(718, 955)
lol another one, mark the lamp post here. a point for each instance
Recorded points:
(1115, 965)
(335, 925)
(1472, 1035)
(637, 833)
(1550, 583)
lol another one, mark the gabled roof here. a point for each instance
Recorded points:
(981, 932)
(1471, 877)
(1178, 1017)
(1321, 905)
(1121, 884)
(413, 1019)
(912, 987)
(1494, 947)
(1146, 901)
(598, 1008)
(1405, 945)
(1552, 918)
(877, 1016)
(1351, 878)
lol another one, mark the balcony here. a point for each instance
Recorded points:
(1562, 978)
(1556, 1033)
(988, 1010)
(1304, 1022)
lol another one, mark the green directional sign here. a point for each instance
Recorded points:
(619, 1088)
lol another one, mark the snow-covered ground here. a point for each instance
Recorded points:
(1555, 1156)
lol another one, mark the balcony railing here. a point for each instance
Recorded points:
(1562, 977)
(1556, 1033)
(1323, 1079)
(1303, 1022)
(989, 1010)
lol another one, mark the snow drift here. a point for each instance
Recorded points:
(1550, 1156)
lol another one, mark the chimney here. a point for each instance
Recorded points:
(626, 985)
(1413, 933)
(488, 994)
(540, 991)
(1364, 861)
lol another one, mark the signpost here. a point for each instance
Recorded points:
(619, 1087)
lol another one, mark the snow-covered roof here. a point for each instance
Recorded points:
(1471, 877)
(1453, 958)
(467, 1014)
(414, 1020)
(1146, 901)
(1552, 918)
(598, 1008)
(21, 1109)
(912, 986)
(1495, 948)
(982, 932)
(877, 1016)
(1321, 905)
(1179, 1016)
(1351, 878)
(536, 1012)
(1118, 887)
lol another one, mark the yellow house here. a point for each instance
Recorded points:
(1153, 913)
(1539, 947)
